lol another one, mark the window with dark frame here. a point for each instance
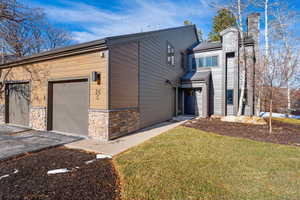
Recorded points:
(229, 96)
(170, 55)
(208, 61)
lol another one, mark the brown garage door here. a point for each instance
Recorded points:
(69, 106)
(17, 99)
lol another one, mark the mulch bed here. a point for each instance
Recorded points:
(96, 180)
(283, 133)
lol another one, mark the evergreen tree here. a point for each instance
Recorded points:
(221, 21)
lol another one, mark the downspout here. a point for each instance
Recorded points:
(176, 101)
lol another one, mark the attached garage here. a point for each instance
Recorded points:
(68, 104)
(17, 103)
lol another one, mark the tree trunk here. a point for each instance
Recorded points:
(258, 104)
(266, 30)
(243, 63)
(271, 111)
(289, 99)
(266, 42)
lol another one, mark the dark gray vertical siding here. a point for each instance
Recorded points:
(124, 75)
(156, 97)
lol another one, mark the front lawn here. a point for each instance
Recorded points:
(289, 120)
(187, 163)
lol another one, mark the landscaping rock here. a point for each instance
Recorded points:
(244, 119)
(103, 156)
(216, 116)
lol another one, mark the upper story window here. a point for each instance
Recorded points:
(170, 55)
(208, 61)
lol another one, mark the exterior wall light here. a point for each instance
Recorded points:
(96, 77)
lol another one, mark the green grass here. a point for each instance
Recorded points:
(186, 163)
(289, 120)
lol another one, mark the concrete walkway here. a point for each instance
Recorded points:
(119, 145)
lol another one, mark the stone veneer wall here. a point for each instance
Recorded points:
(106, 125)
(122, 122)
(98, 124)
(38, 118)
(2, 113)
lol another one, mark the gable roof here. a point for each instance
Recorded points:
(208, 46)
(95, 45)
(211, 46)
(196, 76)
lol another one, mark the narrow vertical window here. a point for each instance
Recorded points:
(215, 61)
(201, 62)
(208, 61)
(229, 97)
(170, 55)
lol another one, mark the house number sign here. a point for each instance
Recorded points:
(98, 93)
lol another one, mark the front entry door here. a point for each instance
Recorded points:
(189, 102)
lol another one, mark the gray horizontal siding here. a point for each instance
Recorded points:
(124, 75)
(157, 99)
(217, 92)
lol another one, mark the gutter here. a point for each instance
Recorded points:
(58, 53)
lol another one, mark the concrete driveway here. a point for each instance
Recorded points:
(16, 141)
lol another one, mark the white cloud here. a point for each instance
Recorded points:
(136, 16)
(84, 36)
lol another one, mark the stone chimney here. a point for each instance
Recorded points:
(253, 30)
(253, 26)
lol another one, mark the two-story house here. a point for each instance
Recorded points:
(213, 81)
(116, 85)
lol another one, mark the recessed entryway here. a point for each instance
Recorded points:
(17, 99)
(68, 103)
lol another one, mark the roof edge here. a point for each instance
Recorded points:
(58, 53)
(82, 48)
(150, 32)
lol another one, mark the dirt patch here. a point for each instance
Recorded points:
(283, 133)
(28, 177)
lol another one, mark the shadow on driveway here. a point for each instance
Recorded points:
(15, 141)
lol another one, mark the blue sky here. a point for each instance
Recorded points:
(93, 19)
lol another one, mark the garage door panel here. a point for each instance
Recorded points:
(70, 107)
(18, 104)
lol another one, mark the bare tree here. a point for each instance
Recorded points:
(284, 33)
(31, 35)
(273, 78)
(55, 37)
(243, 68)
(260, 80)
(25, 31)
